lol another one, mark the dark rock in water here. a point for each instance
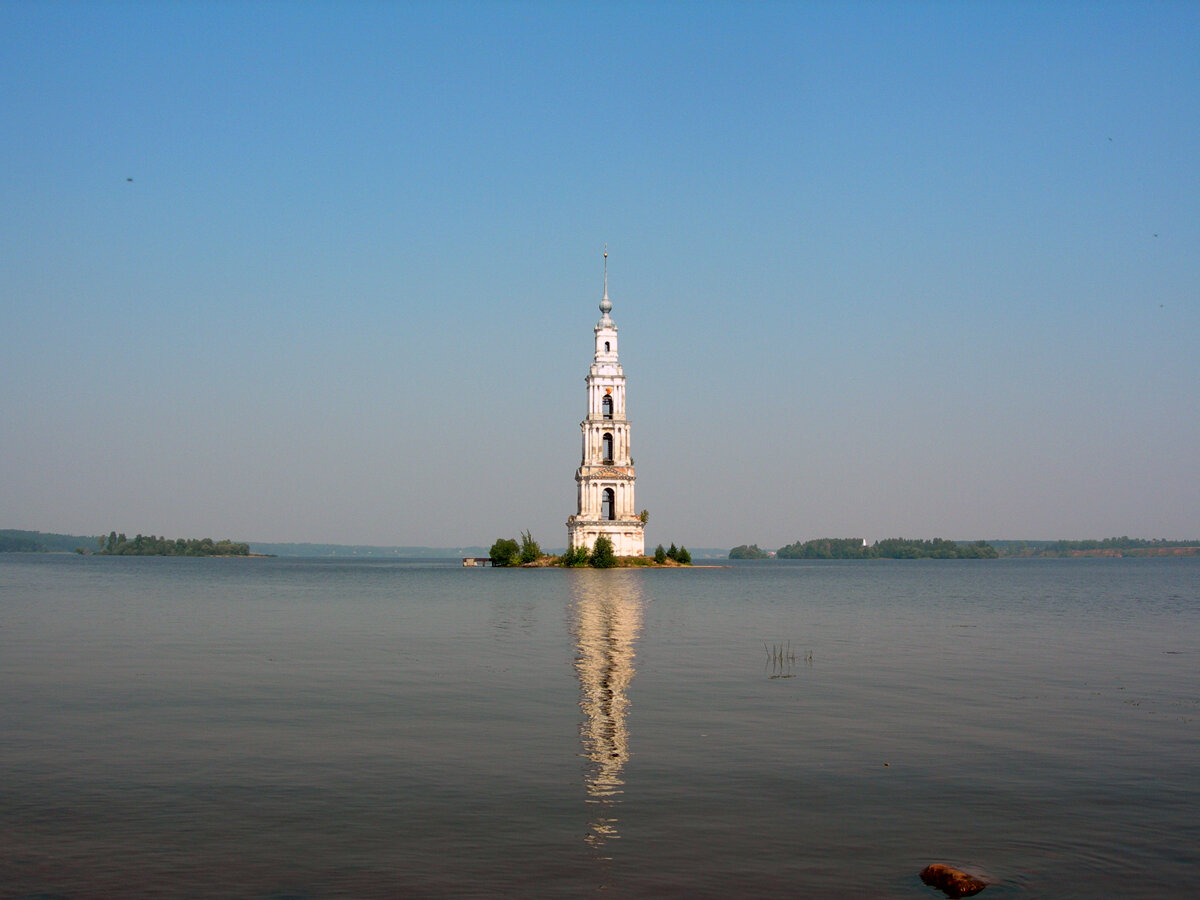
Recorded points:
(951, 882)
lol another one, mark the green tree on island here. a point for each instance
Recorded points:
(576, 556)
(602, 556)
(530, 551)
(505, 552)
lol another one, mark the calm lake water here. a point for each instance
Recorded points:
(327, 729)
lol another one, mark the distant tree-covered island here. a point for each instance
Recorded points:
(748, 551)
(890, 548)
(151, 545)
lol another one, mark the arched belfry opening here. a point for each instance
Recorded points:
(605, 477)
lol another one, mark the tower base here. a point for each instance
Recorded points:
(628, 536)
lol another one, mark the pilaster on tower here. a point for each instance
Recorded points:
(605, 478)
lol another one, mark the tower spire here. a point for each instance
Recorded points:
(606, 271)
(605, 304)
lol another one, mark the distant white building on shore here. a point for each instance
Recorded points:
(605, 478)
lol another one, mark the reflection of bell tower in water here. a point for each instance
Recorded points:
(605, 478)
(606, 620)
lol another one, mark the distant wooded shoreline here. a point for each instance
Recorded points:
(939, 548)
(24, 541)
(119, 545)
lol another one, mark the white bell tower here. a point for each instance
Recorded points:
(605, 478)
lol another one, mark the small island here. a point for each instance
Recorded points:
(507, 553)
(151, 545)
(748, 551)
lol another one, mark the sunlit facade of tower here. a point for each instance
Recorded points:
(605, 478)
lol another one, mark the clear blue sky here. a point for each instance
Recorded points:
(919, 269)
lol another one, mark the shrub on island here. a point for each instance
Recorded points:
(530, 551)
(505, 552)
(602, 556)
(575, 557)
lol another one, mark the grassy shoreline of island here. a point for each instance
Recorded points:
(508, 553)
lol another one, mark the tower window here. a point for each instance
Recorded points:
(608, 507)
(608, 449)
(606, 350)
(608, 406)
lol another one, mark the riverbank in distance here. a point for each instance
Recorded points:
(28, 541)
